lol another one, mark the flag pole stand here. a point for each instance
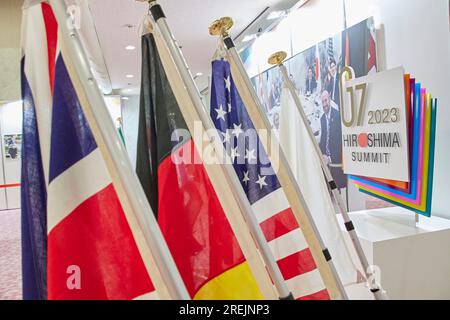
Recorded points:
(287, 180)
(278, 59)
(239, 195)
(165, 277)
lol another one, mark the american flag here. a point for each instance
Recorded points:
(88, 247)
(268, 200)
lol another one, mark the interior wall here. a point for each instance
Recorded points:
(10, 20)
(315, 21)
(11, 126)
(130, 118)
(3, 202)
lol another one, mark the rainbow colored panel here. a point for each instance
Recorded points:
(417, 194)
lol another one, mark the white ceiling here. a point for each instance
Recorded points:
(189, 21)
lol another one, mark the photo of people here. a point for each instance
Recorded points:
(269, 85)
(331, 139)
(315, 74)
(12, 146)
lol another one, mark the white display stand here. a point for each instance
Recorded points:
(414, 258)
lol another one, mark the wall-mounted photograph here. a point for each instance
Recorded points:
(12, 144)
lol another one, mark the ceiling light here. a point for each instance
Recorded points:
(275, 15)
(198, 74)
(129, 76)
(125, 98)
(130, 48)
(249, 37)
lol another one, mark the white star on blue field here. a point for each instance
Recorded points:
(233, 122)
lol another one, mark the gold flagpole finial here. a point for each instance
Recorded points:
(221, 26)
(277, 58)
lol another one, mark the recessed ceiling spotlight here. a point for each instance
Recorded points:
(198, 74)
(249, 37)
(129, 76)
(275, 15)
(130, 48)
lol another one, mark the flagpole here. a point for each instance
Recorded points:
(278, 59)
(287, 180)
(238, 192)
(166, 277)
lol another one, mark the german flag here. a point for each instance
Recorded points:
(182, 196)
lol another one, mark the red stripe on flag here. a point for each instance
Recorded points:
(97, 239)
(51, 28)
(296, 264)
(317, 64)
(321, 295)
(372, 54)
(193, 222)
(6, 186)
(279, 225)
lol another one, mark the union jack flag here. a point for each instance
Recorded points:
(73, 223)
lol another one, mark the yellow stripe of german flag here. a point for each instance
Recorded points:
(236, 283)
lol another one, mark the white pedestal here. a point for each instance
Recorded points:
(414, 259)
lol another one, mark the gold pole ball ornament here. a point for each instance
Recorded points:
(221, 26)
(277, 58)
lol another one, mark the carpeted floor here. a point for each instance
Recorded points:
(10, 256)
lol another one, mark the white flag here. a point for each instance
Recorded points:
(305, 165)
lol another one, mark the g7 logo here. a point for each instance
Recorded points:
(356, 115)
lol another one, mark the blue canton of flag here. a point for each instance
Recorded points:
(230, 117)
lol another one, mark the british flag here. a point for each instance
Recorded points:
(73, 223)
(268, 200)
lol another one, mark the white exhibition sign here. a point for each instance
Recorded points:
(374, 127)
